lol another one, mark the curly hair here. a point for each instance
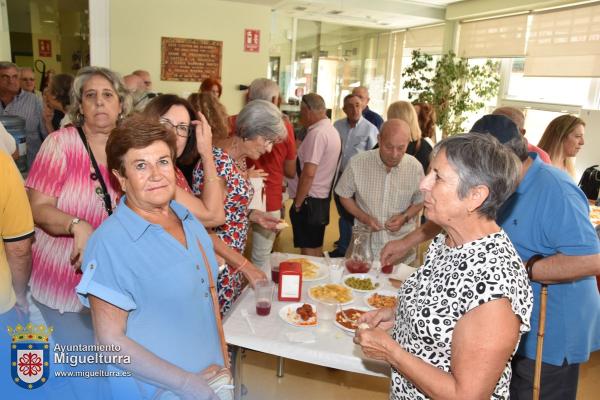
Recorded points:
(214, 111)
(427, 119)
(207, 85)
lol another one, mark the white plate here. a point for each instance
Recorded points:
(322, 274)
(342, 327)
(315, 299)
(381, 292)
(361, 276)
(287, 311)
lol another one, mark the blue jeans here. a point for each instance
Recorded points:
(345, 224)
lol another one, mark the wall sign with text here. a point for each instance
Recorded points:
(190, 60)
(252, 40)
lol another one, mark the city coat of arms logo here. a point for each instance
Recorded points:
(30, 355)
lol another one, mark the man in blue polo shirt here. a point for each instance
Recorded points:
(547, 216)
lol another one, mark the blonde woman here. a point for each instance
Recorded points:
(562, 140)
(417, 147)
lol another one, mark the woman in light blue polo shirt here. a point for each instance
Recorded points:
(145, 279)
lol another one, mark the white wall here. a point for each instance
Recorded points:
(590, 153)
(136, 28)
(4, 32)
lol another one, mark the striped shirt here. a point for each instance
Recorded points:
(382, 194)
(29, 107)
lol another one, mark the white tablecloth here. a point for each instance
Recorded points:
(332, 348)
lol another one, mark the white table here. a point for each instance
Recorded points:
(332, 348)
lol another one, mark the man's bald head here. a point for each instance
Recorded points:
(134, 83)
(393, 141)
(145, 75)
(514, 114)
(363, 94)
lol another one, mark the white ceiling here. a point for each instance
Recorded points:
(382, 14)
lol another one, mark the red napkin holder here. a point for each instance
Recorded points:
(290, 281)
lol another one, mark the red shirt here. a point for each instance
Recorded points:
(543, 155)
(272, 163)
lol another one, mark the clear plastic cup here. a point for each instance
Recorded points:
(336, 270)
(263, 295)
(274, 260)
(326, 311)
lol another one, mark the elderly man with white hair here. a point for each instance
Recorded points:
(278, 163)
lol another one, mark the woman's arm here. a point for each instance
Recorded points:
(58, 223)
(238, 261)
(482, 343)
(110, 323)
(209, 218)
(213, 193)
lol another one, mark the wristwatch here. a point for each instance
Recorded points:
(73, 222)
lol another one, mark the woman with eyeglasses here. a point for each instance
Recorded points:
(259, 125)
(193, 142)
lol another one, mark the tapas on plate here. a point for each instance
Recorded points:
(311, 271)
(362, 283)
(331, 293)
(299, 314)
(348, 320)
(381, 299)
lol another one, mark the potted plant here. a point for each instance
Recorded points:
(453, 87)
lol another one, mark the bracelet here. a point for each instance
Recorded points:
(530, 263)
(242, 266)
(212, 179)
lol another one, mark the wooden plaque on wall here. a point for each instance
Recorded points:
(190, 60)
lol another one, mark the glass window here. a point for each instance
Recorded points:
(49, 36)
(554, 90)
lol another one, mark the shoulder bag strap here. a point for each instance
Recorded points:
(105, 194)
(216, 308)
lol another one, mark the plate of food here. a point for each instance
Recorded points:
(299, 314)
(362, 283)
(331, 293)
(311, 270)
(381, 299)
(349, 320)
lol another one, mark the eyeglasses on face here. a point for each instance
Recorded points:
(182, 130)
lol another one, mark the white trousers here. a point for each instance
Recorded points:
(262, 241)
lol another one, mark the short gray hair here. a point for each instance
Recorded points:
(7, 65)
(314, 102)
(81, 79)
(518, 146)
(263, 89)
(260, 118)
(481, 160)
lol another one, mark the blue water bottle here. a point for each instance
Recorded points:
(16, 127)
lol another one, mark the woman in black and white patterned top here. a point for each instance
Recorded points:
(460, 316)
